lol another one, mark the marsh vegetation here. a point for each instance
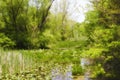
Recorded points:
(39, 42)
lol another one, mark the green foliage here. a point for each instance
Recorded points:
(69, 44)
(5, 42)
(44, 42)
(77, 70)
(98, 71)
(26, 26)
(102, 35)
(32, 26)
(24, 23)
(93, 52)
(102, 25)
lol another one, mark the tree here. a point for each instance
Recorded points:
(38, 22)
(23, 22)
(102, 25)
(14, 17)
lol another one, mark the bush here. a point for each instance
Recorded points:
(5, 42)
(77, 70)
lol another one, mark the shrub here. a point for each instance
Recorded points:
(5, 42)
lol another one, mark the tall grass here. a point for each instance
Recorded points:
(13, 61)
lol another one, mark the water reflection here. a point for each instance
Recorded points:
(62, 74)
(86, 62)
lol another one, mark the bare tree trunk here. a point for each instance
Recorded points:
(44, 16)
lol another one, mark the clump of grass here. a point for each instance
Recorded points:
(12, 62)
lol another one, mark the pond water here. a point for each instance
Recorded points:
(86, 62)
(61, 74)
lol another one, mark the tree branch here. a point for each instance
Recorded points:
(44, 16)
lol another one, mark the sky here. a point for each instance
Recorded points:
(76, 8)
